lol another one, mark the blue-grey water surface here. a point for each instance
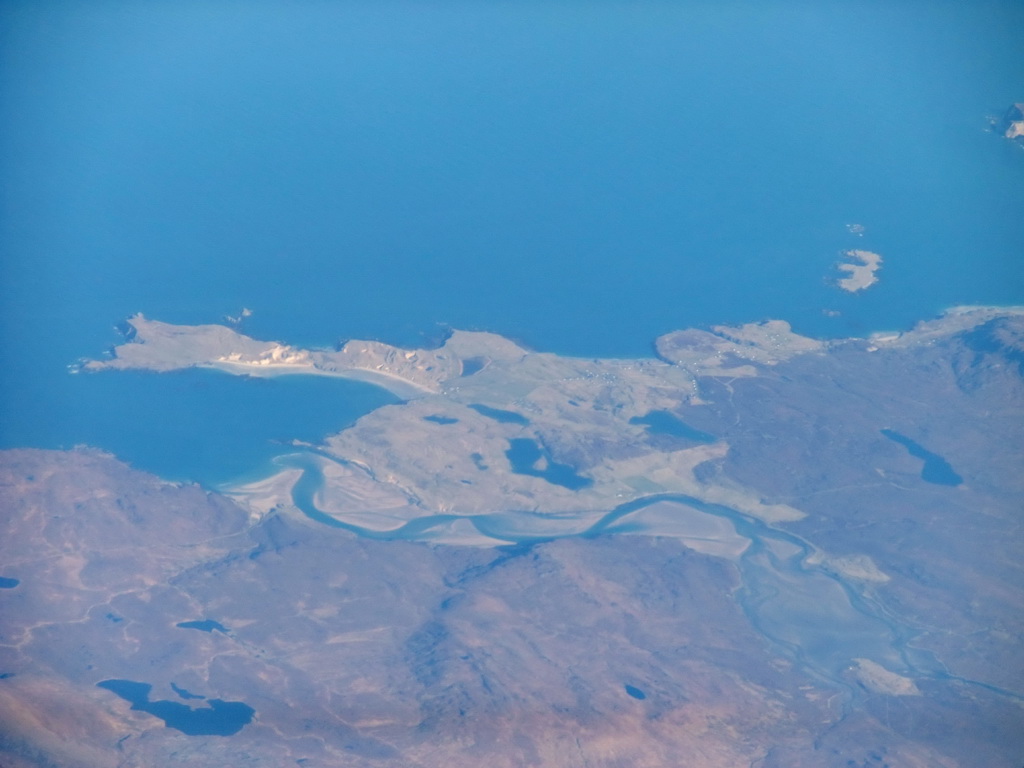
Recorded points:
(579, 176)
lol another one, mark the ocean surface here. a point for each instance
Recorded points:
(579, 176)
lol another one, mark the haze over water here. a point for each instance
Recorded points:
(582, 177)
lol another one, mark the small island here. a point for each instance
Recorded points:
(1012, 124)
(860, 270)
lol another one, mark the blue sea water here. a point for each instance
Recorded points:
(579, 176)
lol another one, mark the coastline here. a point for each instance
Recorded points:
(401, 388)
(763, 338)
(423, 458)
(447, 452)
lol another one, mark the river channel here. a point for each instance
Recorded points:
(812, 614)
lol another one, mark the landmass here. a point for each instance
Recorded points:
(721, 556)
(479, 401)
(860, 269)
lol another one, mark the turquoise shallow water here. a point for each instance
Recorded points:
(580, 177)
